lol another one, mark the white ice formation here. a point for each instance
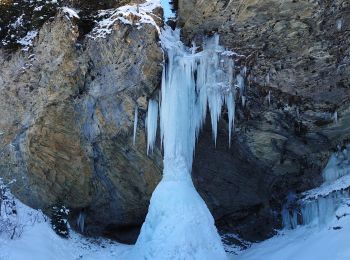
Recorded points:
(178, 224)
(318, 206)
(152, 124)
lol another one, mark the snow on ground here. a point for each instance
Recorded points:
(330, 242)
(38, 241)
(35, 239)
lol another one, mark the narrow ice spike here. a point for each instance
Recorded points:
(152, 122)
(135, 124)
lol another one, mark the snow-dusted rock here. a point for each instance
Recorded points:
(67, 116)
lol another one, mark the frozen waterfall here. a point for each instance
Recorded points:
(178, 224)
(318, 206)
(151, 124)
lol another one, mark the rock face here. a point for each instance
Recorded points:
(67, 111)
(66, 122)
(20, 17)
(298, 51)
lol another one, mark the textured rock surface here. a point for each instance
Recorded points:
(67, 111)
(66, 122)
(299, 51)
(22, 16)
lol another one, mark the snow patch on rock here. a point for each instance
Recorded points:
(136, 14)
(71, 13)
(27, 41)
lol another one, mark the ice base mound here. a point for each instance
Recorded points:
(178, 226)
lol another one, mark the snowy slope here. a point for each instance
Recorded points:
(330, 242)
(39, 242)
(36, 240)
(26, 234)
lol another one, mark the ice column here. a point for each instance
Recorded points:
(152, 122)
(178, 224)
(135, 124)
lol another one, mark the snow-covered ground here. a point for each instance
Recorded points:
(329, 242)
(38, 241)
(35, 239)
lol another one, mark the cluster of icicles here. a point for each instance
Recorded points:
(318, 206)
(208, 79)
(178, 224)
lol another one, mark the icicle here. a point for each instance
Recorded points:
(152, 122)
(244, 71)
(135, 124)
(81, 222)
(243, 101)
(268, 78)
(231, 116)
(289, 219)
(269, 97)
(338, 166)
(319, 206)
(335, 117)
(194, 48)
(240, 83)
(215, 105)
(298, 113)
(339, 23)
(230, 100)
(321, 210)
(289, 215)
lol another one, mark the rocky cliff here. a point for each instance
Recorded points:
(69, 89)
(67, 115)
(297, 103)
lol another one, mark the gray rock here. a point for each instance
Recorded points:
(299, 52)
(67, 112)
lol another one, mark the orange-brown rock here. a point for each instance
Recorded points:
(66, 121)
